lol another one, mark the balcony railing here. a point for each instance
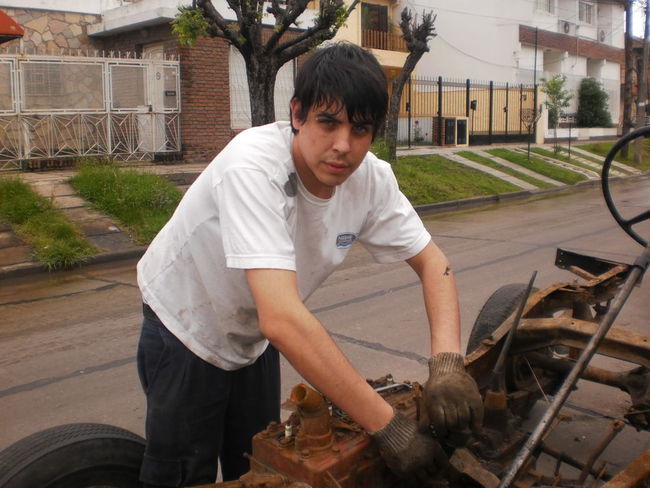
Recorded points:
(383, 40)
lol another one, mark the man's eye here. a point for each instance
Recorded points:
(327, 122)
(361, 128)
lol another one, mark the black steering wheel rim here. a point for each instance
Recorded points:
(625, 224)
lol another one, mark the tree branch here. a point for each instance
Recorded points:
(219, 26)
(322, 31)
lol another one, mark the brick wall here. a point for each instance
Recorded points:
(205, 99)
(573, 45)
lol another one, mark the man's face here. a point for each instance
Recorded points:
(328, 147)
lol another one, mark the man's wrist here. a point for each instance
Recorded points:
(396, 435)
(446, 362)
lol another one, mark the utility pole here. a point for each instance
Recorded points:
(642, 89)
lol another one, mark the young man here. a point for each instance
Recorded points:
(224, 285)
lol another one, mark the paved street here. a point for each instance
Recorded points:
(67, 341)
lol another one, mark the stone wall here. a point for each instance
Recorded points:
(48, 32)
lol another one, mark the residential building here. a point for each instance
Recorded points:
(509, 41)
(213, 104)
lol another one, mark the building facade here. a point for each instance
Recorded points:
(510, 41)
(213, 101)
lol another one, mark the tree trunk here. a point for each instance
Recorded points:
(642, 87)
(261, 86)
(392, 118)
(628, 124)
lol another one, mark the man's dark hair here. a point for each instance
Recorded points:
(347, 75)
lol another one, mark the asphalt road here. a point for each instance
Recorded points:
(68, 341)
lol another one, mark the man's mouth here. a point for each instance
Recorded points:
(335, 167)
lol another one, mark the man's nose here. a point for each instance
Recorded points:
(342, 140)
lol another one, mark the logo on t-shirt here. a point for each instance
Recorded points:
(345, 240)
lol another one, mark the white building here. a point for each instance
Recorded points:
(514, 41)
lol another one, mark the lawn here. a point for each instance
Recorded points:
(477, 158)
(432, 179)
(540, 166)
(603, 148)
(142, 202)
(57, 243)
(560, 156)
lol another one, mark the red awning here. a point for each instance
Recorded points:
(9, 29)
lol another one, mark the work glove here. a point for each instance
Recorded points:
(409, 452)
(452, 402)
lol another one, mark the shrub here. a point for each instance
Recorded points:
(592, 104)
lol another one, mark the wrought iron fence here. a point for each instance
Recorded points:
(490, 112)
(54, 107)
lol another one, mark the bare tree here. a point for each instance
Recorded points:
(264, 53)
(417, 36)
(628, 123)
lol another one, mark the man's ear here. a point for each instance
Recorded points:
(294, 109)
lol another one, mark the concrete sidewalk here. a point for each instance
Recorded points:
(115, 243)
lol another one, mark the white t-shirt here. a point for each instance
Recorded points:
(248, 209)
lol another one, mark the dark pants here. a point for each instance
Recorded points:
(198, 413)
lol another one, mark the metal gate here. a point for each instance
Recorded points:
(54, 107)
(481, 112)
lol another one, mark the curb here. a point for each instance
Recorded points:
(30, 269)
(467, 203)
(27, 269)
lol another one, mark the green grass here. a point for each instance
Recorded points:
(57, 243)
(603, 148)
(561, 157)
(431, 179)
(599, 162)
(477, 158)
(141, 202)
(584, 156)
(540, 166)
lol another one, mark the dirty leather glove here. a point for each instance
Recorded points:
(451, 398)
(409, 452)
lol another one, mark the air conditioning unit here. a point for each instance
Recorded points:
(568, 28)
(603, 35)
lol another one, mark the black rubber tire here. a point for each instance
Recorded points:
(74, 456)
(495, 311)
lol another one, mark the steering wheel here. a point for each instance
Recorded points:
(626, 224)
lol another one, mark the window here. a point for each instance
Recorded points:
(586, 12)
(546, 6)
(374, 17)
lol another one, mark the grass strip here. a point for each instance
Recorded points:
(540, 166)
(141, 202)
(603, 148)
(584, 156)
(599, 162)
(477, 158)
(561, 157)
(432, 179)
(57, 243)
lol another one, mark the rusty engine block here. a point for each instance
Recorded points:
(321, 447)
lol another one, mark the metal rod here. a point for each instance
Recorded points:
(498, 379)
(567, 386)
(616, 427)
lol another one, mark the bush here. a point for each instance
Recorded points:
(592, 104)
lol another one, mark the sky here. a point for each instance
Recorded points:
(638, 21)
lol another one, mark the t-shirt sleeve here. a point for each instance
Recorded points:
(255, 231)
(393, 230)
